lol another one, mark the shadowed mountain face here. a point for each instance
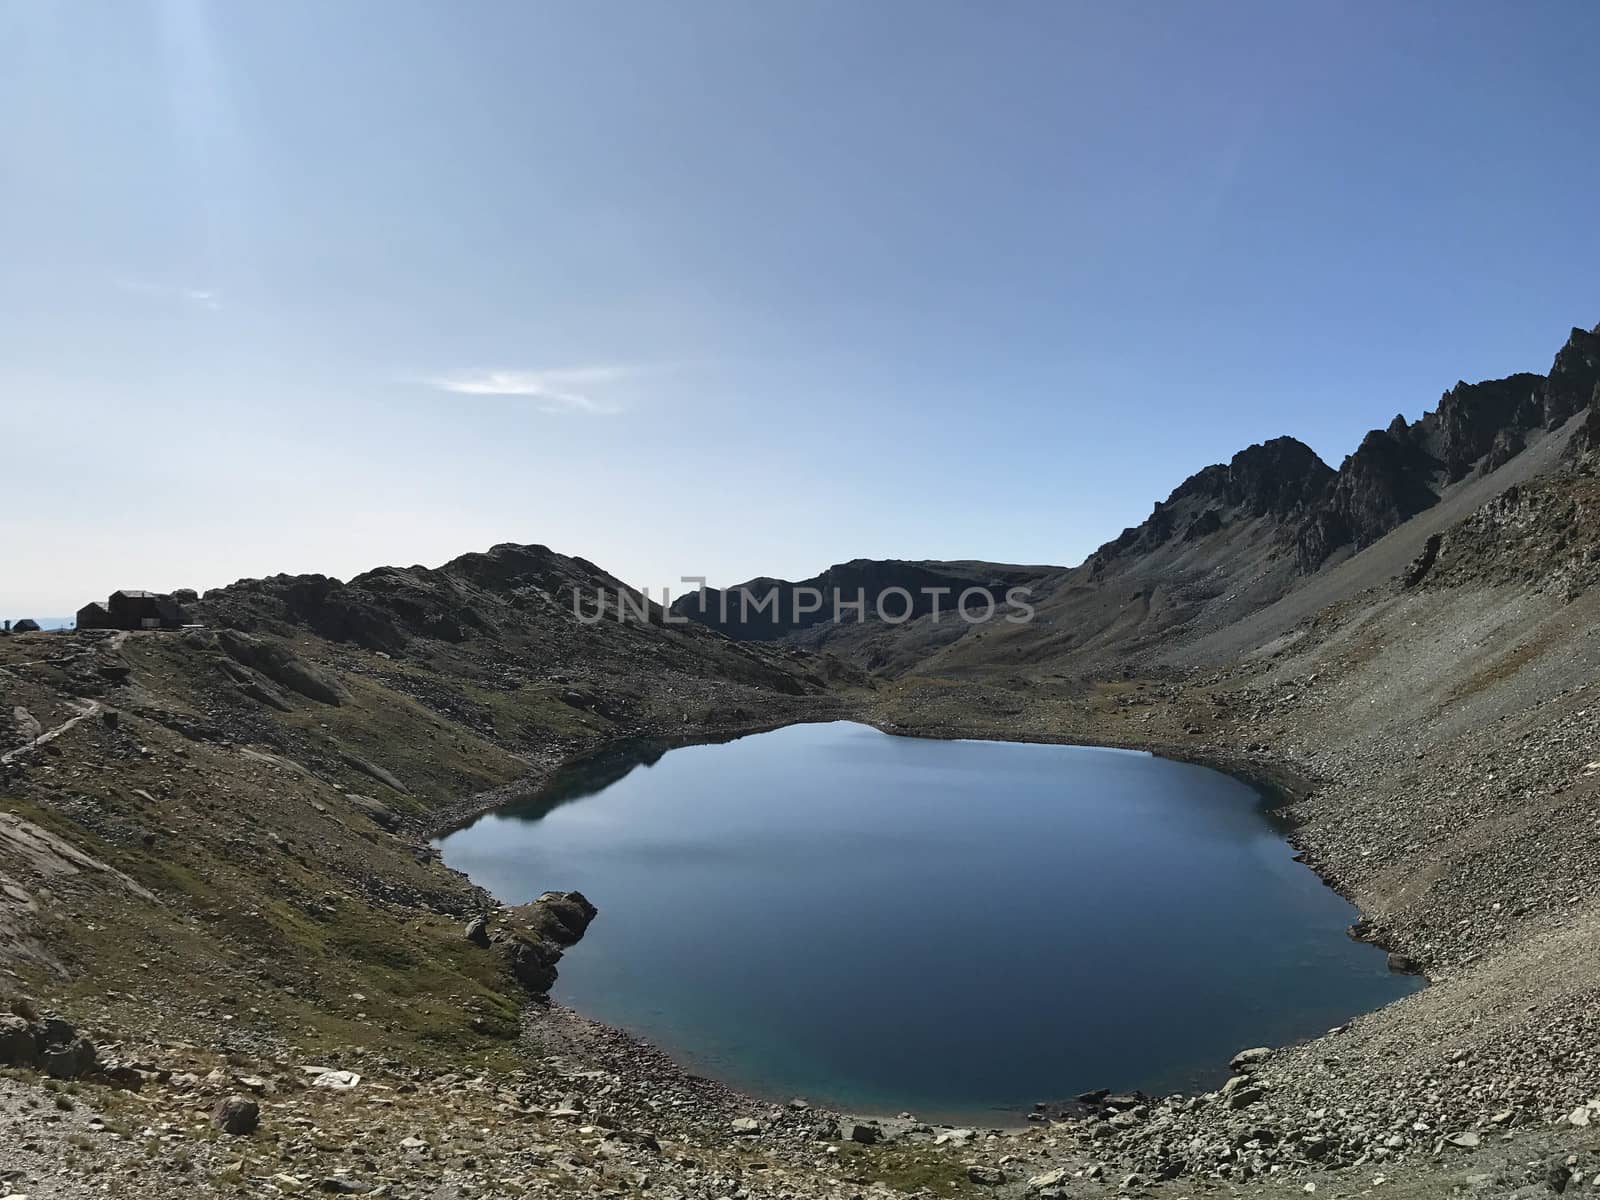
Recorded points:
(1574, 377)
(1387, 480)
(1278, 480)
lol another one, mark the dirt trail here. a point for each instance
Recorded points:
(87, 710)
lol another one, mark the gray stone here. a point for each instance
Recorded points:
(69, 1060)
(28, 726)
(19, 1045)
(280, 664)
(867, 1135)
(379, 813)
(987, 1176)
(1246, 1059)
(237, 1115)
(1244, 1097)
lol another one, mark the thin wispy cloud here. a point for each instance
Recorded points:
(208, 298)
(563, 390)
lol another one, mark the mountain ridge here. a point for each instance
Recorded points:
(1232, 538)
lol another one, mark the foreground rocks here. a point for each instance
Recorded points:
(206, 1124)
(50, 1045)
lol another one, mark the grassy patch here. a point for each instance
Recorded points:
(908, 1168)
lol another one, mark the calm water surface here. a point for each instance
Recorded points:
(956, 928)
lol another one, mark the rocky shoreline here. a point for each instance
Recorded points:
(1111, 1128)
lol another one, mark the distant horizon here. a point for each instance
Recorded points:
(742, 290)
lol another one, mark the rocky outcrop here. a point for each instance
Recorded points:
(1586, 438)
(281, 665)
(532, 963)
(563, 917)
(27, 726)
(254, 685)
(1507, 444)
(1573, 377)
(1543, 535)
(1471, 417)
(373, 771)
(1385, 482)
(49, 1045)
(376, 811)
(534, 936)
(1423, 563)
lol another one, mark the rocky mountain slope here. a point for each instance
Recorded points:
(247, 802)
(1275, 523)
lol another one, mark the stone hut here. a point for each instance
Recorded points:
(130, 608)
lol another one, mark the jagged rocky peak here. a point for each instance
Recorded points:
(1277, 478)
(1400, 471)
(1469, 417)
(1386, 481)
(1574, 376)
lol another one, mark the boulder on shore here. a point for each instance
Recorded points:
(1246, 1060)
(563, 917)
(864, 1134)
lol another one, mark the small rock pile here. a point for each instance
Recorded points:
(46, 1044)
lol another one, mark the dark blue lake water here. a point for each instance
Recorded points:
(957, 928)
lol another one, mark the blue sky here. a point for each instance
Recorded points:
(740, 289)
